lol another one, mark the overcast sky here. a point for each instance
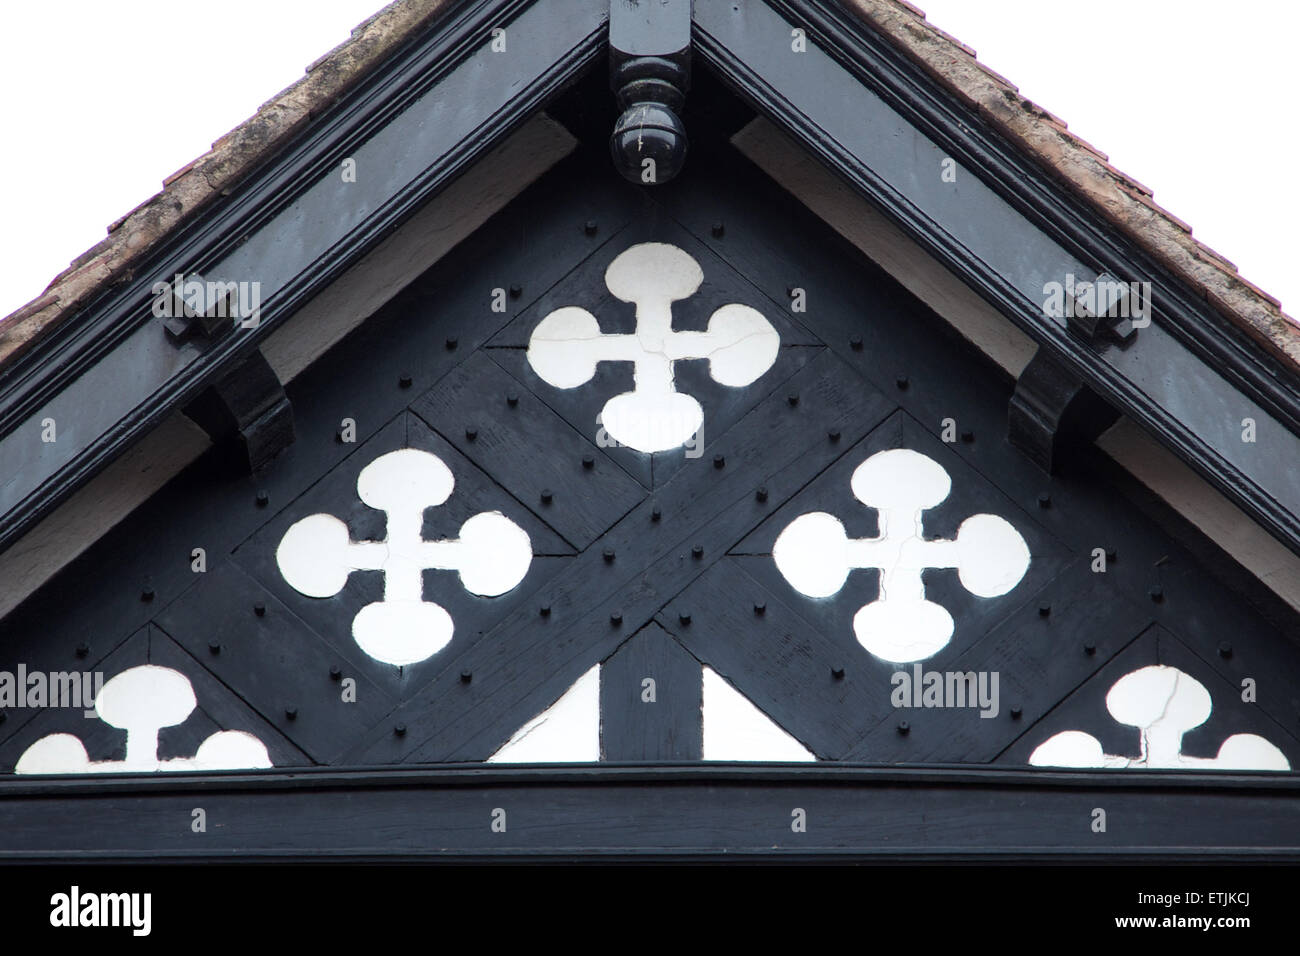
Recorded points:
(102, 100)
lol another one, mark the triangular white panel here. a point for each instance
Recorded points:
(566, 732)
(734, 729)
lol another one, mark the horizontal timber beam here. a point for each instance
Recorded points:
(776, 812)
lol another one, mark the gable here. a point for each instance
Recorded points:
(478, 548)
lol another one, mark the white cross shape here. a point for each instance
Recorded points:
(739, 344)
(1164, 703)
(143, 700)
(815, 555)
(492, 555)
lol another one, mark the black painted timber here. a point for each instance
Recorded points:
(650, 696)
(661, 812)
(616, 580)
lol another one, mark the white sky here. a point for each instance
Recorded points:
(1195, 99)
(102, 100)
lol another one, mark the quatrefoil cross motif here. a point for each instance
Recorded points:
(492, 554)
(815, 555)
(739, 344)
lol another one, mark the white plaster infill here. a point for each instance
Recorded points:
(739, 344)
(735, 729)
(566, 732)
(491, 555)
(143, 700)
(1164, 703)
(815, 555)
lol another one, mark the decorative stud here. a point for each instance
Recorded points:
(83, 649)
(466, 676)
(761, 494)
(589, 227)
(471, 433)
(855, 343)
(262, 499)
(1016, 712)
(650, 74)
(588, 462)
(336, 672)
(516, 291)
(901, 382)
(399, 730)
(404, 380)
(259, 609)
(146, 593)
(904, 727)
(697, 551)
(544, 610)
(1089, 648)
(656, 513)
(1156, 593)
(214, 647)
(616, 618)
(452, 342)
(833, 434)
(718, 229)
(719, 461)
(1225, 650)
(1044, 500)
(547, 496)
(684, 618)
(609, 555)
(837, 672)
(1044, 610)
(760, 608)
(793, 399)
(967, 436)
(291, 712)
(512, 399)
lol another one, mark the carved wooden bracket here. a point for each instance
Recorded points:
(650, 72)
